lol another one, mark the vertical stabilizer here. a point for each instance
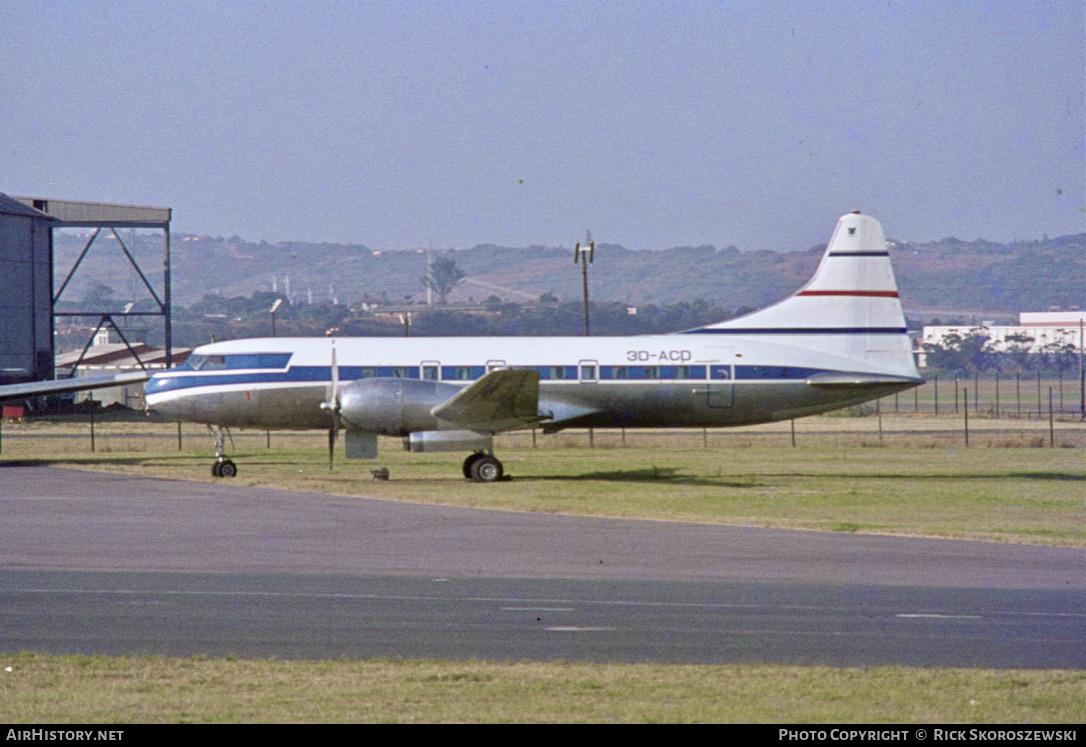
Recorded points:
(850, 306)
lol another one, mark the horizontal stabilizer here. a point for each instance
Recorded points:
(63, 386)
(853, 380)
(502, 400)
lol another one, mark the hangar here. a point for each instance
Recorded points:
(28, 298)
(26, 293)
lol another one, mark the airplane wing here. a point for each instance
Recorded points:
(857, 380)
(62, 386)
(502, 400)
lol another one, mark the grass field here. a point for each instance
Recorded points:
(76, 689)
(1017, 481)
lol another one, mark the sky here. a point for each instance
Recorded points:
(654, 124)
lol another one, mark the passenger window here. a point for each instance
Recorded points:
(429, 373)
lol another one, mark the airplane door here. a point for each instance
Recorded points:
(721, 390)
(494, 365)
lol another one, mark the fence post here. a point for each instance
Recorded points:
(1051, 422)
(966, 410)
(1040, 410)
(90, 399)
(878, 409)
(1018, 391)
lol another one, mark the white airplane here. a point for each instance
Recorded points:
(838, 341)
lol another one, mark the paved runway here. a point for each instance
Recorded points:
(93, 562)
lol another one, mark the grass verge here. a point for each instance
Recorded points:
(76, 689)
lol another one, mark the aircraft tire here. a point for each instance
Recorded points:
(215, 469)
(467, 464)
(486, 469)
(227, 468)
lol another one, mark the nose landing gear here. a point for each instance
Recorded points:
(222, 467)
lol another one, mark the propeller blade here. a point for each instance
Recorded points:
(332, 405)
(335, 377)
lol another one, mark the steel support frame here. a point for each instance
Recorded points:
(106, 317)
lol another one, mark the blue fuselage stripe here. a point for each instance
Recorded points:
(800, 331)
(322, 375)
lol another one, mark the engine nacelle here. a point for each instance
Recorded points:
(392, 407)
(448, 441)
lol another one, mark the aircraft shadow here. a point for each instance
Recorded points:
(668, 475)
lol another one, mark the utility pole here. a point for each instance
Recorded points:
(429, 271)
(585, 254)
(275, 307)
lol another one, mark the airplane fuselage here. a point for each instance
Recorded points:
(661, 381)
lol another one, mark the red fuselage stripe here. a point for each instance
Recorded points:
(866, 294)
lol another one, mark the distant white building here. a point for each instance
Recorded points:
(1035, 331)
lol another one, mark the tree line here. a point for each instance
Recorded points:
(976, 351)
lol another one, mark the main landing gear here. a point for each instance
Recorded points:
(222, 467)
(483, 467)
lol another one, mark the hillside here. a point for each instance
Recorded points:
(947, 277)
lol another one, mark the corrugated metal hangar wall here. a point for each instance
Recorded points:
(26, 293)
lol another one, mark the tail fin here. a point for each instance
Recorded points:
(850, 306)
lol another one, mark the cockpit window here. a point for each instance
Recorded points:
(192, 363)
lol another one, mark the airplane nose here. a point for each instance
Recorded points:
(152, 395)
